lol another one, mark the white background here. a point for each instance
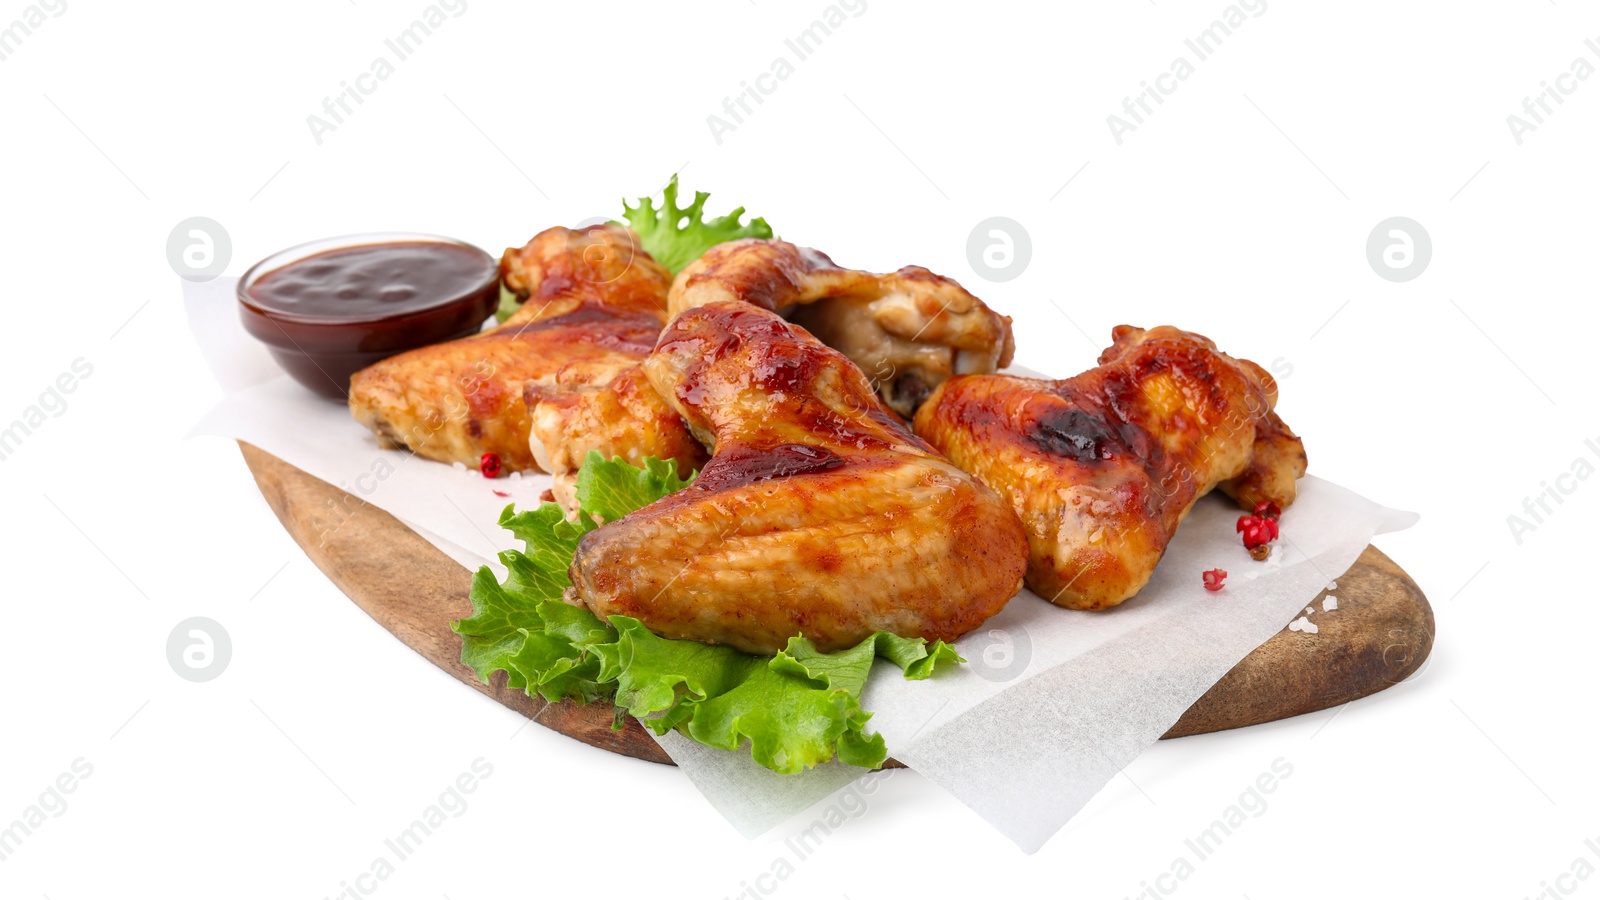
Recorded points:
(1240, 209)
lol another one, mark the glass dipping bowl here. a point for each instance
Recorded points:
(322, 347)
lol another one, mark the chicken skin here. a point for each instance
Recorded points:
(593, 305)
(1102, 467)
(621, 417)
(907, 330)
(818, 514)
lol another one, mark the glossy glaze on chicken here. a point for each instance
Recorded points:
(1102, 467)
(907, 330)
(593, 304)
(818, 514)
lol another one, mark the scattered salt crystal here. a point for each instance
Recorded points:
(1333, 585)
(1309, 610)
(516, 476)
(459, 467)
(1330, 603)
(1303, 624)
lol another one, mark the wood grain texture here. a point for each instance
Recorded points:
(1382, 632)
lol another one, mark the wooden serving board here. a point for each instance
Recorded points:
(1382, 633)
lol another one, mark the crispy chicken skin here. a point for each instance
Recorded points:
(593, 305)
(818, 514)
(623, 417)
(601, 264)
(1102, 467)
(908, 330)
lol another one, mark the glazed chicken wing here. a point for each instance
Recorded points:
(593, 305)
(622, 417)
(818, 514)
(907, 330)
(1102, 467)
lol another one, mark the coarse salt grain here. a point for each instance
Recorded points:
(1303, 624)
(1330, 603)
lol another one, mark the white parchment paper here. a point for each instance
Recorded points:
(1053, 702)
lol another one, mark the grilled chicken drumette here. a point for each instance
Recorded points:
(1102, 467)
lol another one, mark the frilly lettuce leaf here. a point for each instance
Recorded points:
(611, 490)
(676, 235)
(796, 709)
(673, 235)
(804, 706)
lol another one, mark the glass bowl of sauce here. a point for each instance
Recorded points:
(330, 308)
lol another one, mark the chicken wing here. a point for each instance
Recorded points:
(907, 330)
(818, 514)
(622, 417)
(1102, 467)
(593, 305)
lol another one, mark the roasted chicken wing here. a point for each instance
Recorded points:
(1102, 467)
(818, 514)
(621, 417)
(593, 305)
(907, 330)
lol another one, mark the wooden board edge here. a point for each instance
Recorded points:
(332, 528)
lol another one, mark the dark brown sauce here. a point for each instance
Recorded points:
(326, 316)
(373, 281)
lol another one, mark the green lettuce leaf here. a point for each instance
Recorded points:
(609, 490)
(508, 303)
(676, 235)
(804, 706)
(673, 235)
(796, 709)
(521, 626)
